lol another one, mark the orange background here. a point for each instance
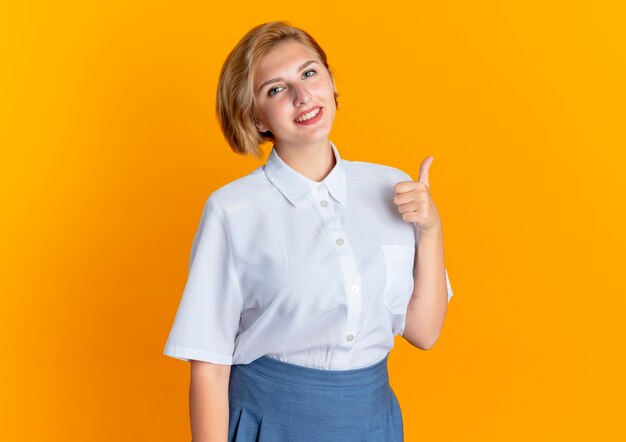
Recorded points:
(110, 147)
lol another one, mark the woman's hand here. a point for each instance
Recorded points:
(415, 202)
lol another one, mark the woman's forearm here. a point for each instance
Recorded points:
(429, 303)
(208, 401)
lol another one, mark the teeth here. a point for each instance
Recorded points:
(309, 115)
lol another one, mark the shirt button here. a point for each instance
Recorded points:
(349, 338)
(355, 288)
(339, 241)
(320, 187)
(323, 203)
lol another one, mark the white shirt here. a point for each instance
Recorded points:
(317, 274)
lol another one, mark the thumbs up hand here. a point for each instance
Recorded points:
(415, 202)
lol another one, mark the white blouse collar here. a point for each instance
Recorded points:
(295, 186)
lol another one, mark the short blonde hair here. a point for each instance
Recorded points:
(235, 90)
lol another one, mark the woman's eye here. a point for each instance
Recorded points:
(274, 91)
(271, 91)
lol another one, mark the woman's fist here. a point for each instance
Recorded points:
(415, 202)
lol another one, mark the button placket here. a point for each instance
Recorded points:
(352, 284)
(331, 223)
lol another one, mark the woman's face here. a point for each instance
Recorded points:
(291, 82)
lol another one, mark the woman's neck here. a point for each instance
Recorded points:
(314, 161)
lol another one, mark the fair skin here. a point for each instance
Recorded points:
(283, 89)
(428, 305)
(208, 401)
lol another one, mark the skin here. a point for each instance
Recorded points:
(305, 148)
(208, 401)
(428, 305)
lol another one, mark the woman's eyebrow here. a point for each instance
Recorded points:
(305, 64)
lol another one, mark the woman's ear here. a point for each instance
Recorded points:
(260, 126)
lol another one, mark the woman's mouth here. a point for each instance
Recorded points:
(311, 118)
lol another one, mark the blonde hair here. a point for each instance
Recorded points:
(235, 89)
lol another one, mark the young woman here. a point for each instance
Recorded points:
(303, 271)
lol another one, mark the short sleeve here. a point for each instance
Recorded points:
(207, 319)
(450, 293)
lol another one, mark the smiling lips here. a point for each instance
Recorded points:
(310, 117)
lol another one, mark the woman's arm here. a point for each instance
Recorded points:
(429, 303)
(208, 401)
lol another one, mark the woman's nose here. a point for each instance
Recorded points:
(301, 95)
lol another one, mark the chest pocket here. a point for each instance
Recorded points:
(399, 260)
